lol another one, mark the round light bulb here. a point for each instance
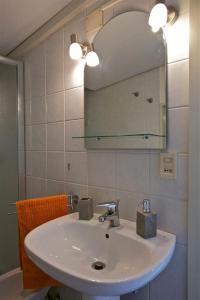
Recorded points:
(75, 51)
(92, 59)
(158, 17)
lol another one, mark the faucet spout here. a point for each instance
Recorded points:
(112, 213)
(103, 217)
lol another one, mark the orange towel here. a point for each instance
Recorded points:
(32, 213)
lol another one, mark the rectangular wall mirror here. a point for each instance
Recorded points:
(125, 95)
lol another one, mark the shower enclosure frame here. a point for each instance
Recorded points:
(20, 125)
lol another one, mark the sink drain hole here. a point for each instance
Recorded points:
(98, 265)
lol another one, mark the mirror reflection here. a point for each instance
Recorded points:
(125, 95)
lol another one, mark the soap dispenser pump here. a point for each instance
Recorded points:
(146, 224)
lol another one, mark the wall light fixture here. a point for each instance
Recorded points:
(162, 15)
(77, 50)
(92, 59)
(84, 50)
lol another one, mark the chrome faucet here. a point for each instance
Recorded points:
(112, 213)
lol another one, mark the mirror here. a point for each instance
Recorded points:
(125, 95)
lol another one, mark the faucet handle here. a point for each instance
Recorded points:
(110, 204)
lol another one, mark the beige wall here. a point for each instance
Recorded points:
(55, 112)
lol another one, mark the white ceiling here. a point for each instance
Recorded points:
(20, 18)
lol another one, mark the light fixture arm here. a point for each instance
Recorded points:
(84, 45)
(86, 48)
(172, 15)
(74, 38)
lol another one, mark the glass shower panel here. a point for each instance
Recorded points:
(8, 167)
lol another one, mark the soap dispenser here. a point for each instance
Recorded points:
(146, 223)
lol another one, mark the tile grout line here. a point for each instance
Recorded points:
(63, 79)
(45, 82)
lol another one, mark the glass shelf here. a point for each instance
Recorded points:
(144, 136)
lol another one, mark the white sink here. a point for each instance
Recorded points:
(66, 248)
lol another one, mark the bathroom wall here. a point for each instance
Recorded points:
(55, 163)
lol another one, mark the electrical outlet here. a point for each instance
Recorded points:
(168, 165)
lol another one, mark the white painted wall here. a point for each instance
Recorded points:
(55, 112)
(19, 19)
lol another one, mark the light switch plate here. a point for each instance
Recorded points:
(168, 165)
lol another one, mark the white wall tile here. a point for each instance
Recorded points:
(22, 182)
(74, 103)
(55, 62)
(38, 164)
(38, 110)
(178, 83)
(39, 137)
(28, 187)
(132, 171)
(178, 129)
(77, 130)
(67, 136)
(177, 188)
(28, 162)
(172, 216)
(37, 72)
(78, 189)
(101, 169)
(177, 37)
(129, 202)
(55, 107)
(55, 165)
(172, 283)
(100, 195)
(77, 173)
(74, 73)
(55, 187)
(38, 187)
(55, 136)
(67, 106)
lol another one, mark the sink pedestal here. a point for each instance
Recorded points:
(86, 297)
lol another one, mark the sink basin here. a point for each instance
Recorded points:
(68, 250)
